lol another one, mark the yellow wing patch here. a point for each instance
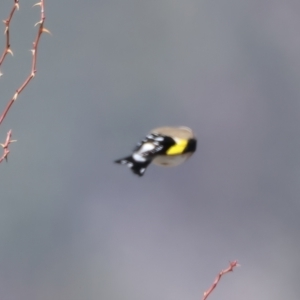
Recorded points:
(178, 148)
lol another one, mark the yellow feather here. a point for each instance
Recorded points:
(178, 148)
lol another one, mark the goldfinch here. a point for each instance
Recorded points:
(164, 146)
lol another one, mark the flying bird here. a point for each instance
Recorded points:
(164, 146)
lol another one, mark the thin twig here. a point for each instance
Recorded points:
(5, 146)
(34, 59)
(229, 269)
(34, 51)
(7, 48)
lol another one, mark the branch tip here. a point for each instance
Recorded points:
(232, 264)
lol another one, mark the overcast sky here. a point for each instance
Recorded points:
(74, 225)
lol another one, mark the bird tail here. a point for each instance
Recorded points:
(136, 167)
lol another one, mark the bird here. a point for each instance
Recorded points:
(164, 146)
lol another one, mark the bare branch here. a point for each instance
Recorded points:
(5, 146)
(229, 269)
(34, 55)
(34, 51)
(7, 48)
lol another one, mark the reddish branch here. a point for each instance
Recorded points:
(34, 51)
(6, 32)
(229, 269)
(5, 146)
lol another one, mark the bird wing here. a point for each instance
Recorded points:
(152, 145)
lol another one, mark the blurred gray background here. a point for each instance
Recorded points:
(73, 225)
